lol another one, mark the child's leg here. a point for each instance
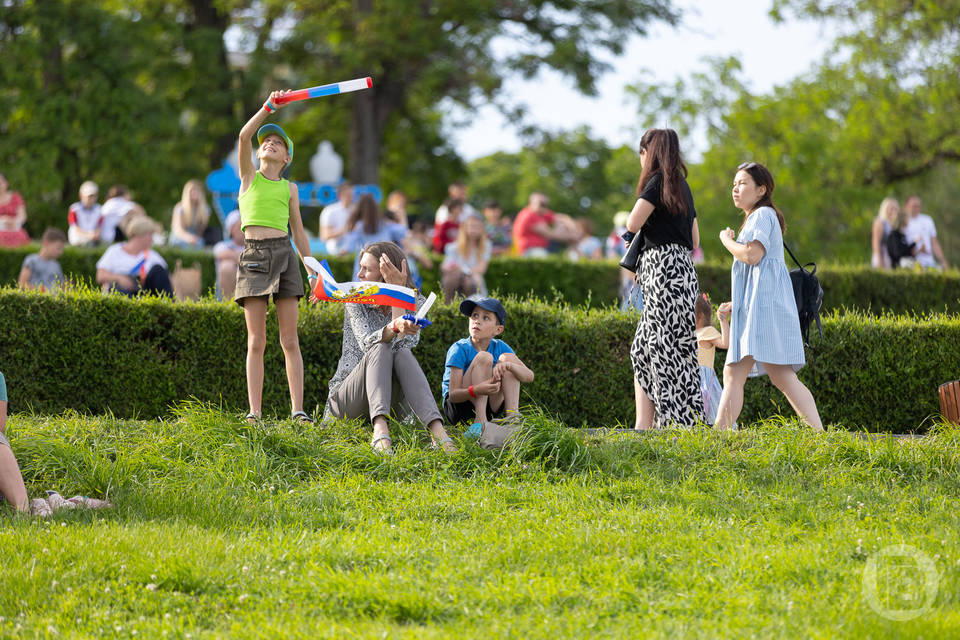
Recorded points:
(451, 283)
(785, 378)
(731, 400)
(11, 482)
(509, 396)
(255, 314)
(480, 370)
(290, 342)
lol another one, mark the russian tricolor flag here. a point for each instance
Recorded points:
(380, 293)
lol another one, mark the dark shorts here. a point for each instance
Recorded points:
(268, 267)
(464, 412)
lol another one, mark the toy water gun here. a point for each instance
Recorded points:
(420, 319)
(332, 89)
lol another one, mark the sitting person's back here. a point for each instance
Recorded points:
(41, 270)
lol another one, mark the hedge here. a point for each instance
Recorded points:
(108, 354)
(596, 284)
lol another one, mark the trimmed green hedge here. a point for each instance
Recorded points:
(97, 354)
(596, 284)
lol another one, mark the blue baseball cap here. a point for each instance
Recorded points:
(267, 129)
(490, 304)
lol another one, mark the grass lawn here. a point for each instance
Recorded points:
(225, 530)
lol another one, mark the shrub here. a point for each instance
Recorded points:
(590, 283)
(109, 354)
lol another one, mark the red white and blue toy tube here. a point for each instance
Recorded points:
(332, 89)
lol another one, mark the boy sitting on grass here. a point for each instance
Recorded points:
(482, 376)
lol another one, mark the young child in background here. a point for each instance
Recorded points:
(465, 261)
(41, 270)
(482, 374)
(708, 339)
(268, 264)
(85, 217)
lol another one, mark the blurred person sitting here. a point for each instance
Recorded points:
(499, 228)
(190, 217)
(397, 208)
(118, 209)
(456, 191)
(465, 261)
(446, 232)
(41, 270)
(538, 231)
(334, 220)
(588, 246)
(13, 215)
(368, 224)
(85, 218)
(132, 267)
(226, 253)
(922, 232)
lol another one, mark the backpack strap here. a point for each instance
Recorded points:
(797, 262)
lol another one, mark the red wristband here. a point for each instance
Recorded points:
(470, 391)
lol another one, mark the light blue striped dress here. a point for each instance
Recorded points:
(764, 323)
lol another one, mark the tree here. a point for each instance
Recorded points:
(425, 52)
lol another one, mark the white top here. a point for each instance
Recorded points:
(116, 260)
(113, 211)
(80, 217)
(922, 231)
(334, 215)
(225, 245)
(443, 214)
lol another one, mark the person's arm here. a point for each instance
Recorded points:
(723, 312)
(398, 327)
(244, 148)
(876, 239)
(938, 251)
(510, 362)
(695, 233)
(750, 253)
(24, 280)
(459, 393)
(296, 228)
(106, 278)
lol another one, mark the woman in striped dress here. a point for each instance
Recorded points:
(764, 325)
(664, 350)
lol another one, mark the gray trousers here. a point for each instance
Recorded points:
(384, 380)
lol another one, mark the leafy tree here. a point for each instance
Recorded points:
(421, 53)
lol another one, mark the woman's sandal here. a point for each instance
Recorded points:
(302, 417)
(252, 419)
(384, 449)
(445, 444)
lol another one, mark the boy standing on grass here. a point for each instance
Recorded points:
(482, 376)
(41, 270)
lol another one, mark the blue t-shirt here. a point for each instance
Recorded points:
(462, 352)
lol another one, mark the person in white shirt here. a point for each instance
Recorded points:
(132, 266)
(922, 232)
(118, 207)
(85, 218)
(456, 191)
(334, 217)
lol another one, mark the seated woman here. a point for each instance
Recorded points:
(465, 261)
(378, 372)
(11, 482)
(190, 217)
(13, 215)
(368, 225)
(132, 267)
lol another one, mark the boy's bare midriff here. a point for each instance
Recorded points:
(254, 232)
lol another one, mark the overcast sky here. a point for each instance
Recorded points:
(771, 55)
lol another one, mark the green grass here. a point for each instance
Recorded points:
(224, 530)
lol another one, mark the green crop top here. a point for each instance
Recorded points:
(266, 203)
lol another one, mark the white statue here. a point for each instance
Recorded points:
(326, 165)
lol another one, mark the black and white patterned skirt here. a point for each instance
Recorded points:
(664, 349)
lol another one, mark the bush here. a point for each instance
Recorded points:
(590, 283)
(110, 354)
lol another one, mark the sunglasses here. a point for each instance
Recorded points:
(746, 165)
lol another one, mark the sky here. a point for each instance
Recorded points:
(771, 55)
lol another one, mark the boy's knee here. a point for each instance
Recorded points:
(484, 358)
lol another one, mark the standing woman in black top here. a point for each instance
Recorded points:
(664, 350)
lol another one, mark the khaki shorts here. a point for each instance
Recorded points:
(268, 267)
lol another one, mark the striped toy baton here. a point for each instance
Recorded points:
(331, 89)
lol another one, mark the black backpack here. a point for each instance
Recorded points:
(808, 294)
(898, 247)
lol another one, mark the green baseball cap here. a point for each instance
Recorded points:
(267, 129)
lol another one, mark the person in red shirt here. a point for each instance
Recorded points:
(536, 227)
(446, 232)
